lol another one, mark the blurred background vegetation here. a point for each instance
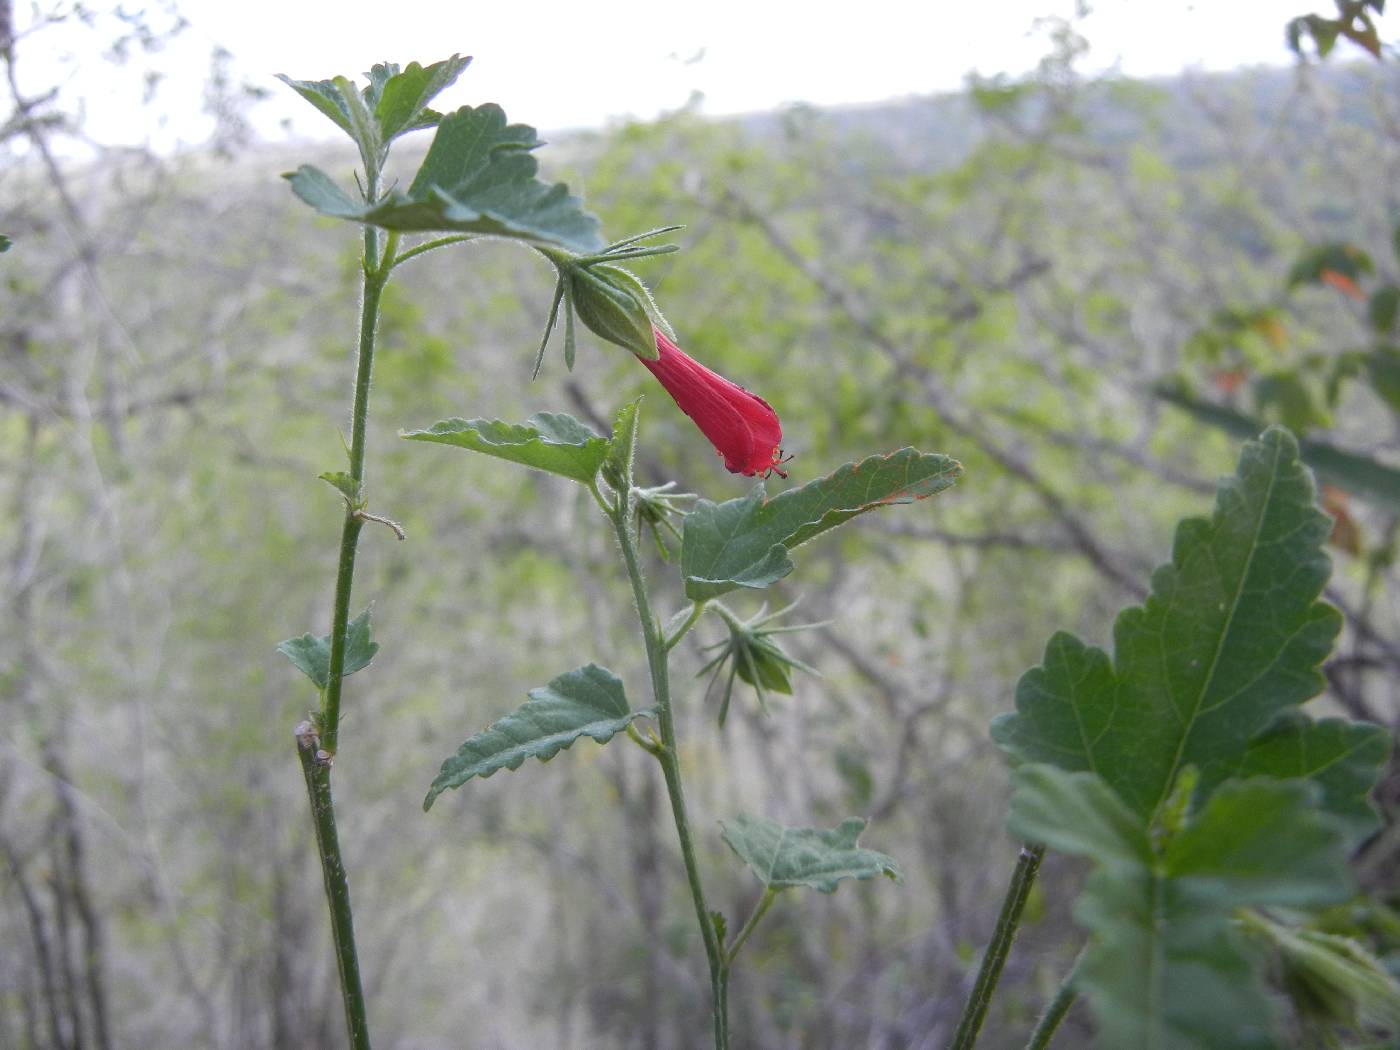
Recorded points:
(1008, 275)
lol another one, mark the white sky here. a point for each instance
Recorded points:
(560, 65)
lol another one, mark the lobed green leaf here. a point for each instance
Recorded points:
(1232, 635)
(784, 857)
(401, 99)
(549, 441)
(744, 542)
(1164, 966)
(478, 177)
(589, 701)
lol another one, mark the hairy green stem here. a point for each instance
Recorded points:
(375, 280)
(317, 747)
(1014, 903)
(1055, 1009)
(669, 757)
(318, 790)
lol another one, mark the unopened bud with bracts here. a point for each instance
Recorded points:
(754, 657)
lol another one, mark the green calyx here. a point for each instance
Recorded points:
(611, 301)
(754, 656)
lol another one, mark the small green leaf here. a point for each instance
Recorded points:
(319, 190)
(401, 103)
(1163, 967)
(312, 655)
(784, 857)
(364, 129)
(549, 441)
(1384, 308)
(1359, 475)
(5, 243)
(343, 483)
(589, 701)
(744, 542)
(379, 76)
(1231, 636)
(720, 925)
(325, 96)
(622, 447)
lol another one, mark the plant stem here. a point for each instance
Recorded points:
(621, 516)
(376, 277)
(317, 747)
(318, 790)
(975, 1011)
(1055, 1009)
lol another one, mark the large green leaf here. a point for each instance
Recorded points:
(784, 857)
(1360, 475)
(312, 655)
(1231, 636)
(744, 542)
(478, 177)
(1164, 967)
(551, 441)
(587, 702)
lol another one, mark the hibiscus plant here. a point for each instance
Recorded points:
(478, 179)
(1176, 765)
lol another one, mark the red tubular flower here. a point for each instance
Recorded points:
(742, 426)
